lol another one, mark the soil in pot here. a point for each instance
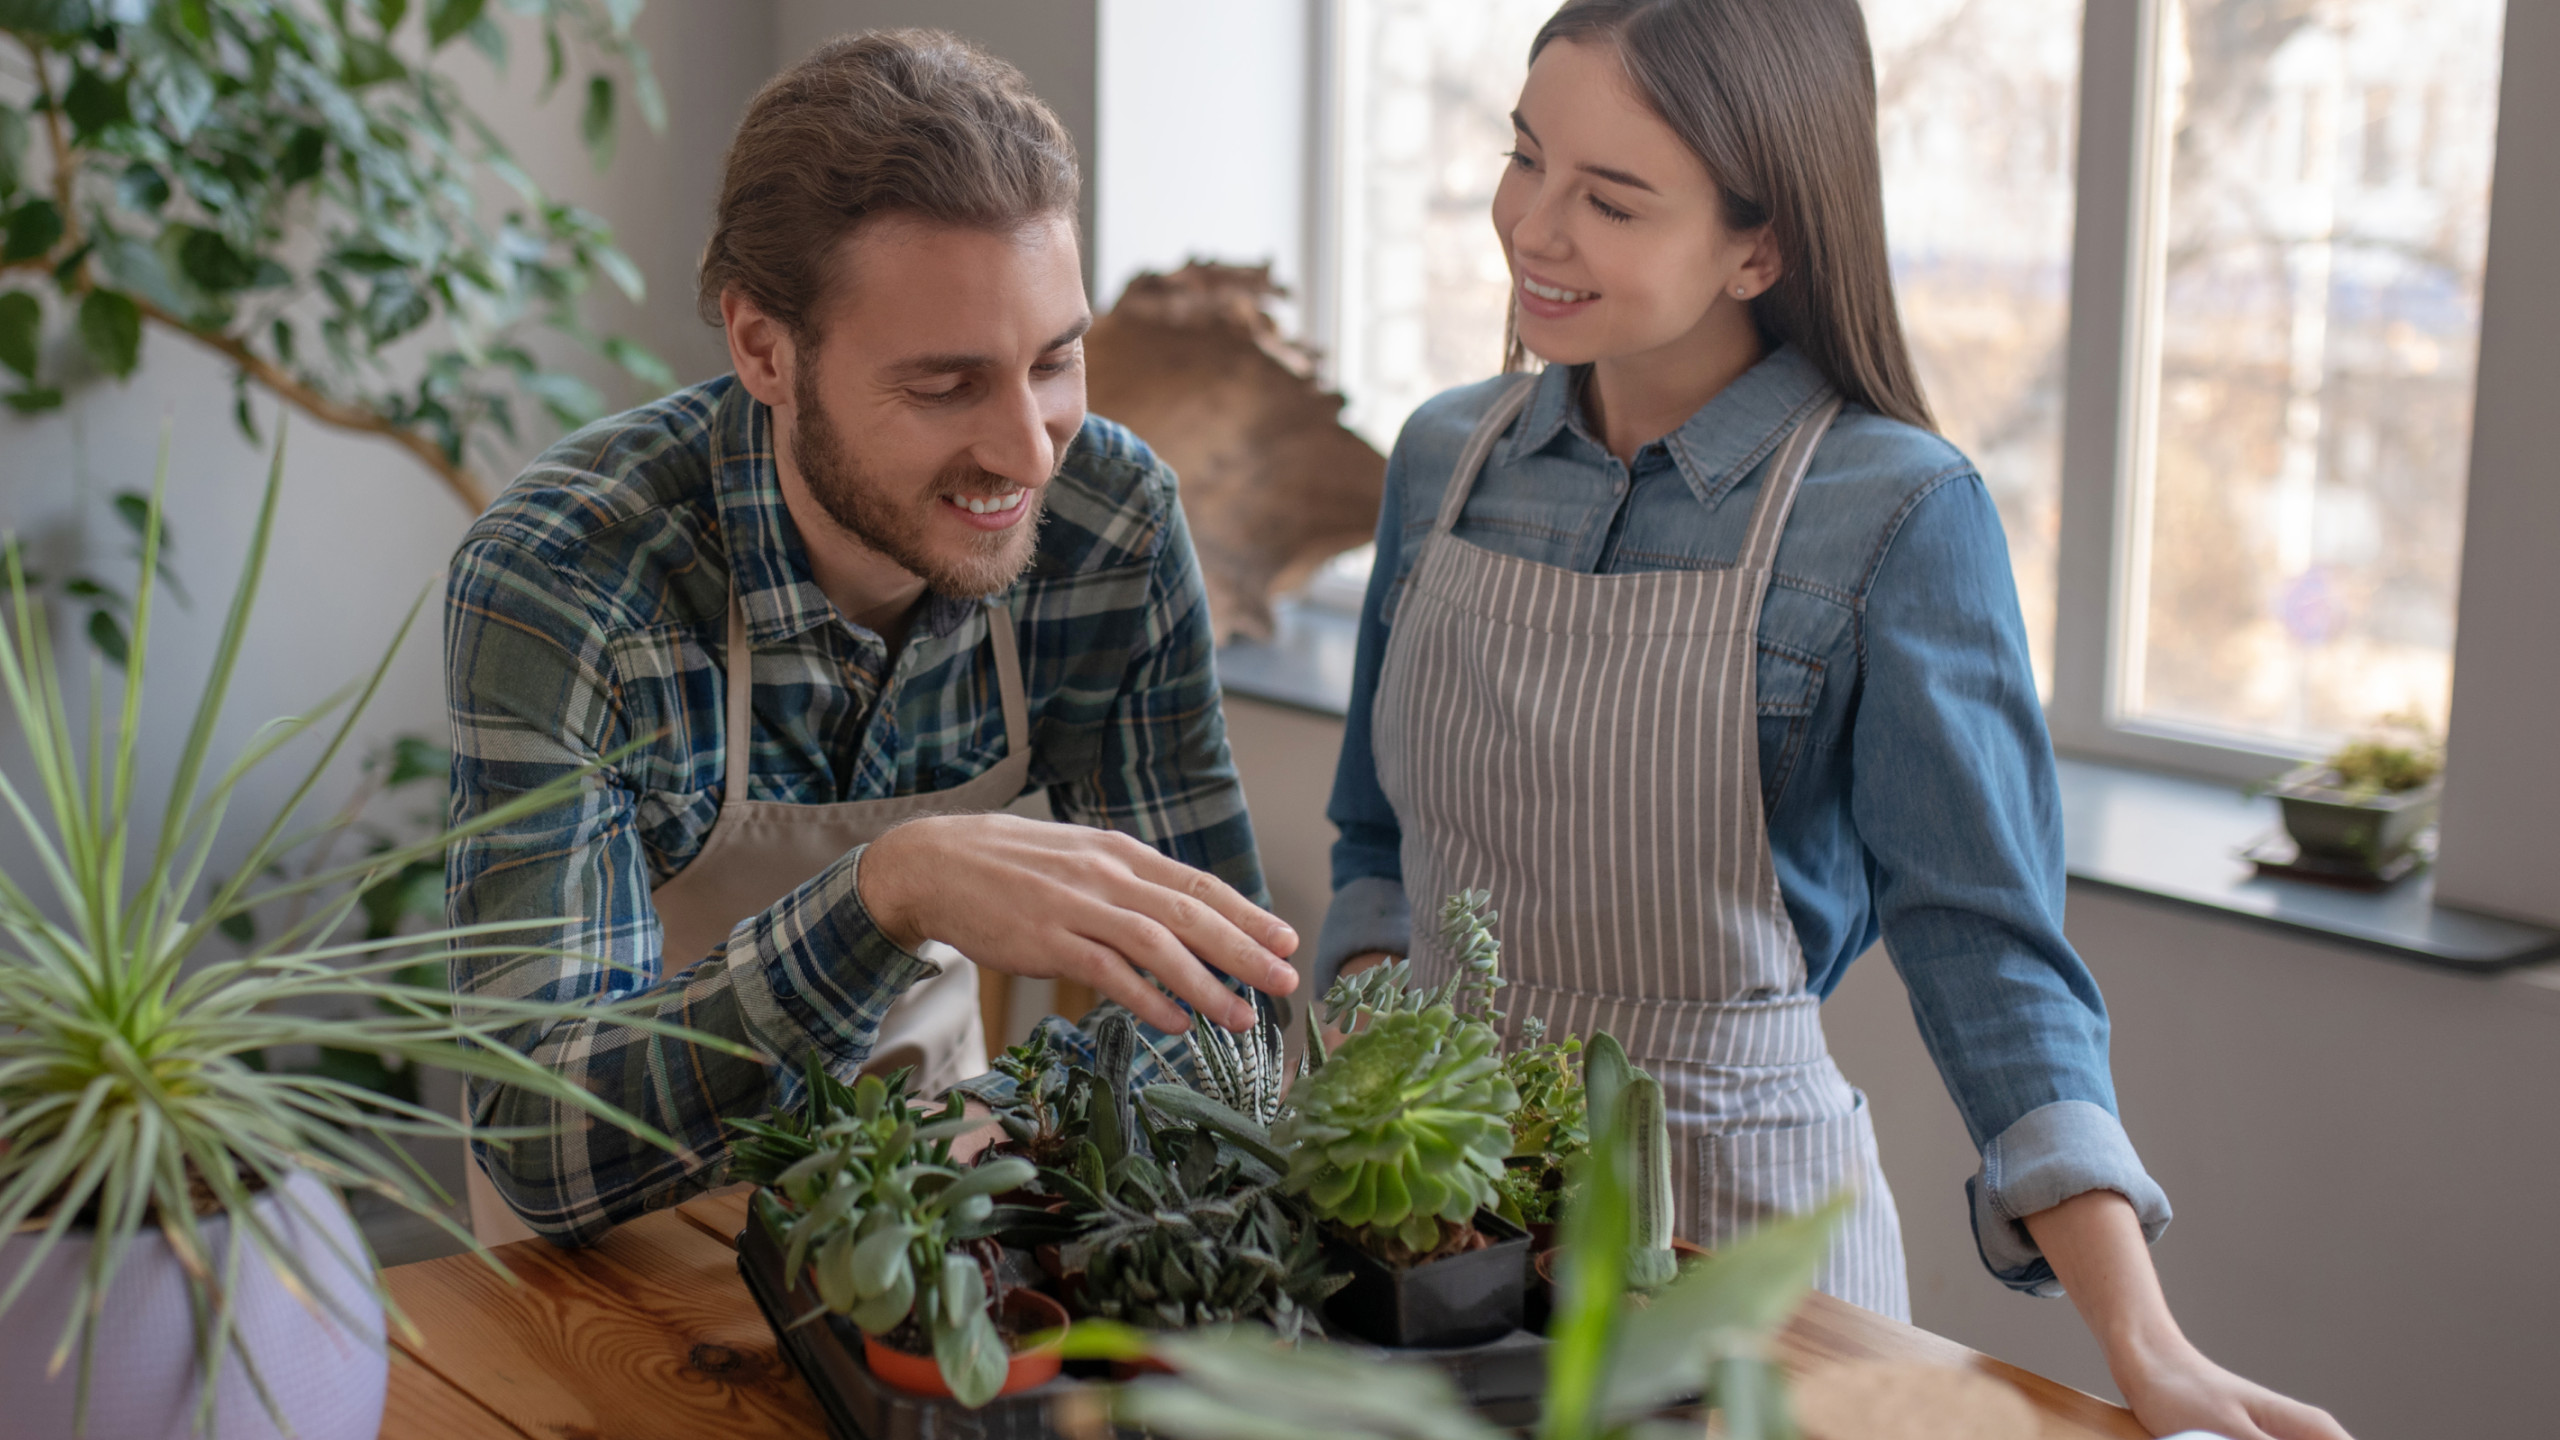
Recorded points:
(1469, 1291)
(904, 1357)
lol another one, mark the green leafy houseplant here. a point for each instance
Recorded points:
(1611, 1367)
(897, 1235)
(294, 185)
(131, 1089)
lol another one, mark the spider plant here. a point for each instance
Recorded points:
(132, 1068)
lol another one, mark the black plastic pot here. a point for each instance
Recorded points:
(2336, 825)
(1460, 1300)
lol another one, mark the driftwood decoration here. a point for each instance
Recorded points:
(1272, 483)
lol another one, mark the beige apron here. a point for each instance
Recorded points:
(762, 850)
(1586, 747)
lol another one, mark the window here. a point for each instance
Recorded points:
(1975, 108)
(1425, 90)
(2196, 283)
(2315, 293)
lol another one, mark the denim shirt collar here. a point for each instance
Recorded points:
(767, 561)
(1717, 446)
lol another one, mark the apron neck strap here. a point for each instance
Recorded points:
(1786, 477)
(1768, 517)
(1462, 481)
(741, 685)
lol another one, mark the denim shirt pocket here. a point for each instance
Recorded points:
(1789, 685)
(1417, 538)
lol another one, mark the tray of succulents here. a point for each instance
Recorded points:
(1393, 1198)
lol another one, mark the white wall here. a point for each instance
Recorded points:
(2359, 1150)
(1203, 138)
(1051, 41)
(2500, 783)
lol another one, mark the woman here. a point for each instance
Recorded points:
(1699, 649)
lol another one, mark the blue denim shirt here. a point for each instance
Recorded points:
(1905, 770)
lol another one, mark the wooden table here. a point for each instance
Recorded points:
(651, 1333)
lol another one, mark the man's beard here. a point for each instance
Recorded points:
(854, 499)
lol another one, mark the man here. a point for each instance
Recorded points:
(813, 622)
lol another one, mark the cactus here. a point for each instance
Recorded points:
(1605, 1073)
(1651, 1263)
(1405, 1127)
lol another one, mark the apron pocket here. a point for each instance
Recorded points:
(1749, 1177)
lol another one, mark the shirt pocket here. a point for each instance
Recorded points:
(1789, 687)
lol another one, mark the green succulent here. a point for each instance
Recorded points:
(1202, 1239)
(1548, 1131)
(1405, 1126)
(886, 1223)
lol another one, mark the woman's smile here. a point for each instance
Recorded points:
(1549, 301)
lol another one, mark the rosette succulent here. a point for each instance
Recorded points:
(1403, 1128)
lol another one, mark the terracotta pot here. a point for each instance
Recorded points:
(1029, 1310)
(1545, 1262)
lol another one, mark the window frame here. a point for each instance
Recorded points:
(2120, 182)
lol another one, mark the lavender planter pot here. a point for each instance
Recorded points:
(327, 1376)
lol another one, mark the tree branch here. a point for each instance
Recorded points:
(466, 487)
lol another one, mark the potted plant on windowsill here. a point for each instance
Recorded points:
(173, 1249)
(2362, 808)
(862, 1193)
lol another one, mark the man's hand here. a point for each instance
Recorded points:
(1030, 897)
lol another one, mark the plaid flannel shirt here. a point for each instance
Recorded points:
(588, 610)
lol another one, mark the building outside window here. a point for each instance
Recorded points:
(2287, 515)
(2292, 562)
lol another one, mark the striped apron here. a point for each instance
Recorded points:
(1586, 747)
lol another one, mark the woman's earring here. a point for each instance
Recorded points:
(1739, 293)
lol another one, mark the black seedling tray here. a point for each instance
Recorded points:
(1502, 1378)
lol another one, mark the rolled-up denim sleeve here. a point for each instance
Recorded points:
(1956, 801)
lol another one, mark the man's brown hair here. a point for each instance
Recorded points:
(916, 122)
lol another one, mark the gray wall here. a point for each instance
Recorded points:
(1052, 41)
(2360, 1151)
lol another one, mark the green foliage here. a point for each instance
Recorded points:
(1403, 1128)
(1466, 927)
(1613, 1363)
(2403, 753)
(1036, 1121)
(1548, 1135)
(1201, 1236)
(887, 1224)
(303, 188)
(132, 1066)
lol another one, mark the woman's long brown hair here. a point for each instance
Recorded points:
(1778, 99)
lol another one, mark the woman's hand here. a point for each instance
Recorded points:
(2095, 1245)
(2186, 1391)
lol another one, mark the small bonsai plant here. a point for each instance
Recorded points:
(894, 1232)
(2365, 805)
